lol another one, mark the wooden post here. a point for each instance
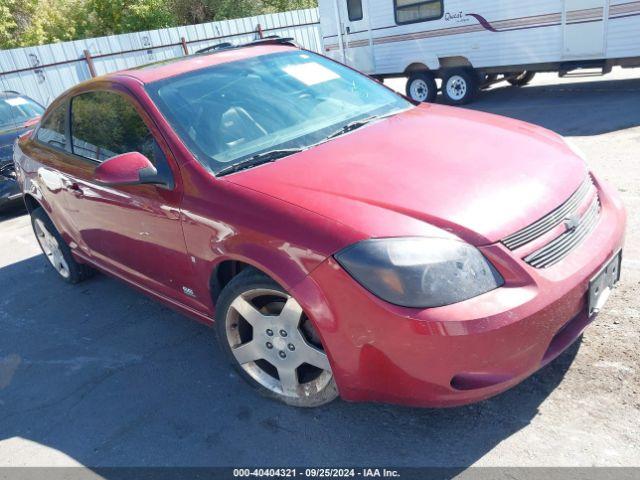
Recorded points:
(259, 30)
(185, 48)
(92, 67)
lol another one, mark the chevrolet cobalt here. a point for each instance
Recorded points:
(343, 240)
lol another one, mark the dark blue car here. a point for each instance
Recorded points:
(18, 114)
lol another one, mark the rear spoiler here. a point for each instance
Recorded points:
(271, 40)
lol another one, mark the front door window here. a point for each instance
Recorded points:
(105, 124)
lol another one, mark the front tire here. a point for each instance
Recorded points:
(56, 250)
(422, 87)
(460, 86)
(271, 343)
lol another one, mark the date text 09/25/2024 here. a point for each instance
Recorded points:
(315, 473)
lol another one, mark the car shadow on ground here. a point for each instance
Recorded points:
(570, 109)
(109, 377)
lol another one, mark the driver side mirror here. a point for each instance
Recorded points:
(128, 169)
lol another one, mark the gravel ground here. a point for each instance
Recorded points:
(99, 375)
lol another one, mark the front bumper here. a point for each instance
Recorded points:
(9, 189)
(466, 352)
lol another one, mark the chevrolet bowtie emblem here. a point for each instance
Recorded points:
(571, 223)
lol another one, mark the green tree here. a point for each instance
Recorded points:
(15, 19)
(200, 11)
(55, 21)
(108, 17)
(190, 12)
(285, 5)
(36, 22)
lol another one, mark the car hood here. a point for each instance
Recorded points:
(9, 135)
(477, 176)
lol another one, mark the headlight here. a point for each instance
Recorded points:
(420, 272)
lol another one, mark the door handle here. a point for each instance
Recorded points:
(173, 213)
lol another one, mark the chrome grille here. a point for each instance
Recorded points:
(552, 220)
(561, 246)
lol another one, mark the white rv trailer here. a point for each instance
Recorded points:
(470, 44)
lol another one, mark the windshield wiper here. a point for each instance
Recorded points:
(351, 126)
(259, 159)
(273, 155)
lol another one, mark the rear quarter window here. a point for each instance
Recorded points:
(52, 131)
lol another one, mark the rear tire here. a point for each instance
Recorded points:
(460, 86)
(422, 87)
(521, 79)
(56, 250)
(271, 343)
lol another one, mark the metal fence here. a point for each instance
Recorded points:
(46, 71)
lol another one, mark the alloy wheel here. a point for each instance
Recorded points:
(276, 344)
(51, 248)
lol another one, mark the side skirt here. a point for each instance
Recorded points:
(175, 305)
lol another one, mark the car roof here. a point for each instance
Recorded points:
(10, 94)
(171, 68)
(13, 94)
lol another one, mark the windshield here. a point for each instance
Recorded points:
(232, 112)
(16, 111)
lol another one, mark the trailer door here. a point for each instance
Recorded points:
(355, 31)
(584, 24)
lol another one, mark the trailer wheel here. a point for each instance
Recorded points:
(521, 79)
(421, 87)
(460, 86)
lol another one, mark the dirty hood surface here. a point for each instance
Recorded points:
(476, 175)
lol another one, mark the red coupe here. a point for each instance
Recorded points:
(344, 240)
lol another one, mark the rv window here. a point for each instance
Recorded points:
(413, 11)
(354, 9)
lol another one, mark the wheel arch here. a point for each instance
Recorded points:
(223, 272)
(416, 67)
(228, 268)
(447, 63)
(30, 202)
(33, 199)
(33, 196)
